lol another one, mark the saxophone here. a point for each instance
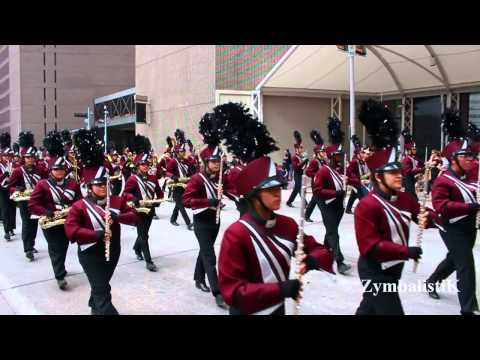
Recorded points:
(57, 219)
(18, 196)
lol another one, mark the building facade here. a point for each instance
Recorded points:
(43, 86)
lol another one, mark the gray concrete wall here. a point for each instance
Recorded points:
(179, 81)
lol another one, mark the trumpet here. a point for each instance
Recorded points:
(18, 196)
(57, 219)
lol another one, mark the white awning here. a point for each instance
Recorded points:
(387, 70)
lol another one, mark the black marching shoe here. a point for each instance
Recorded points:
(7, 237)
(348, 212)
(343, 268)
(432, 290)
(174, 223)
(138, 254)
(35, 251)
(202, 286)
(152, 267)
(29, 255)
(190, 227)
(220, 302)
(12, 233)
(308, 220)
(289, 205)
(62, 284)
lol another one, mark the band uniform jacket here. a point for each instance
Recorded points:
(452, 198)
(313, 166)
(142, 188)
(298, 164)
(383, 223)
(85, 218)
(255, 257)
(326, 184)
(27, 179)
(48, 194)
(355, 170)
(201, 188)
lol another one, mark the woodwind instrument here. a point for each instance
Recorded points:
(299, 253)
(344, 177)
(220, 190)
(18, 196)
(107, 225)
(423, 203)
(57, 219)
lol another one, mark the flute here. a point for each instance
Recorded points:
(299, 253)
(477, 222)
(423, 209)
(220, 192)
(107, 225)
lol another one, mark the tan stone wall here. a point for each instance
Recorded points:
(79, 73)
(179, 81)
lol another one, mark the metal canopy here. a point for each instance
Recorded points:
(387, 70)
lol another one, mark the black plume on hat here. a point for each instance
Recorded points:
(16, 147)
(169, 142)
(316, 137)
(473, 132)
(89, 147)
(211, 126)
(298, 137)
(452, 124)
(53, 142)
(379, 123)
(408, 138)
(356, 141)
(5, 140)
(180, 136)
(245, 137)
(66, 137)
(26, 139)
(335, 132)
(141, 144)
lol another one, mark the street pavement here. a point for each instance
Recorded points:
(30, 288)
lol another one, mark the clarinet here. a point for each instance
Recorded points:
(344, 177)
(219, 194)
(423, 203)
(299, 253)
(107, 225)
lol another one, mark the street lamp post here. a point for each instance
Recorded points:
(105, 113)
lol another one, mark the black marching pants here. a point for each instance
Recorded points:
(410, 186)
(297, 178)
(354, 195)
(57, 249)
(311, 206)
(332, 215)
(141, 244)
(29, 227)
(206, 232)
(8, 210)
(99, 272)
(459, 240)
(177, 197)
(380, 296)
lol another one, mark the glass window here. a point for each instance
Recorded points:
(474, 109)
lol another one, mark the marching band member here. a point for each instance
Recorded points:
(49, 196)
(8, 207)
(382, 218)
(89, 225)
(202, 196)
(299, 162)
(454, 199)
(329, 188)
(179, 169)
(24, 179)
(143, 186)
(412, 165)
(357, 173)
(256, 251)
(319, 159)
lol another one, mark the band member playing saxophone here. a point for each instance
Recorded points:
(51, 196)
